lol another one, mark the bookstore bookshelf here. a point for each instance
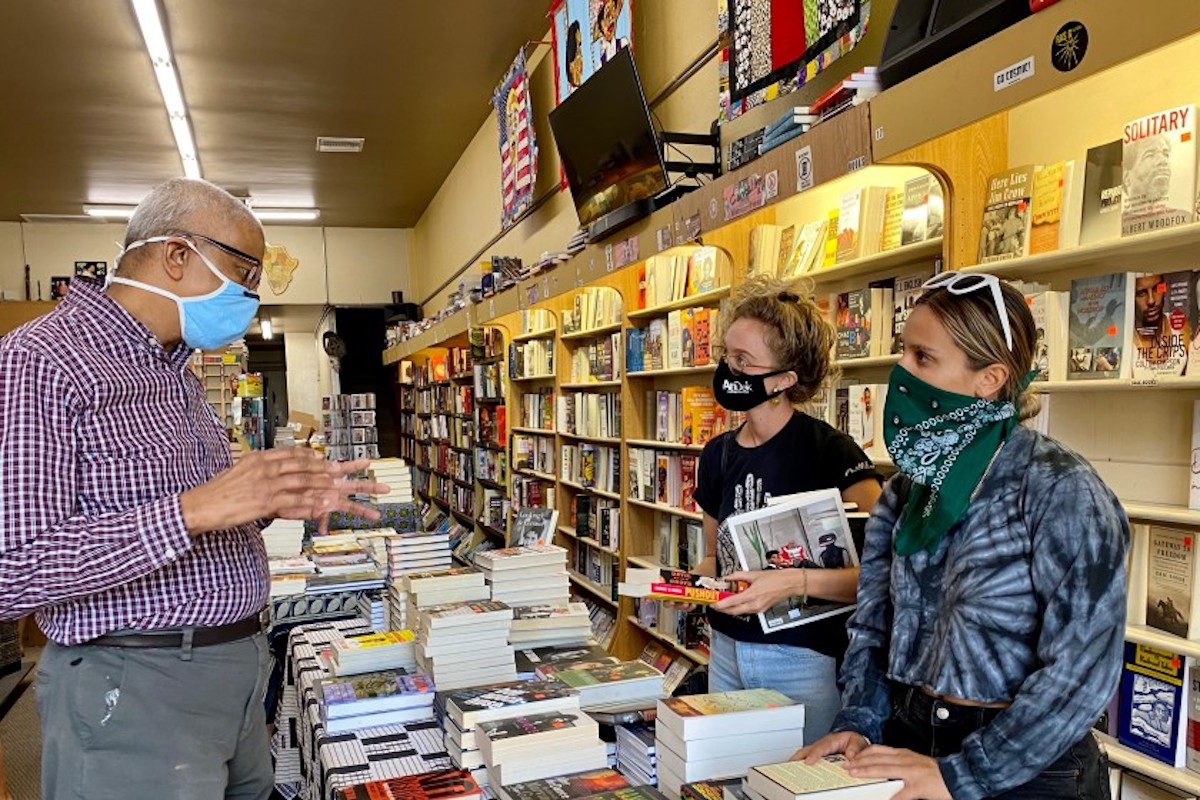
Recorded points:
(865, 284)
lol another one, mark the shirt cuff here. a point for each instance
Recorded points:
(164, 533)
(957, 775)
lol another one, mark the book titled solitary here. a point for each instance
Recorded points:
(1158, 160)
(826, 779)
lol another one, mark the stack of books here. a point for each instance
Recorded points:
(597, 783)
(354, 655)
(417, 590)
(551, 625)
(422, 552)
(372, 699)
(527, 576)
(373, 607)
(542, 663)
(724, 734)
(794, 122)
(534, 747)
(626, 684)
(284, 538)
(463, 709)
(290, 575)
(397, 474)
(795, 780)
(466, 644)
(443, 784)
(340, 554)
(637, 754)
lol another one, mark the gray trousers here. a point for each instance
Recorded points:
(121, 723)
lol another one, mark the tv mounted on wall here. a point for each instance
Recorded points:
(609, 148)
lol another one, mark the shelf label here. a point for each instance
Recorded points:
(608, 257)
(1010, 76)
(804, 169)
(662, 238)
(856, 163)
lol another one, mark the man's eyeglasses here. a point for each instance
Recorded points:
(965, 283)
(252, 273)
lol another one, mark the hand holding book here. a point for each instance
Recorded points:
(766, 588)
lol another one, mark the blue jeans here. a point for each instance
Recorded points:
(803, 675)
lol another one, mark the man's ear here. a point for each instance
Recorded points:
(174, 258)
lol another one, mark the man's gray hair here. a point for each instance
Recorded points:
(172, 206)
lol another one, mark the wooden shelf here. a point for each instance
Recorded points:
(695, 300)
(592, 385)
(1155, 512)
(655, 373)
(495, 448)
(1117, 385)
(545, 333)
(694, 655)
(679, 512)
(657, 445)
(534, 431)
(545, 476)
(1164, 250)
(489, 400)
(1131, 759)
(581, 488)
(465, 519)
(464, 484)
(593, 439)
(490, 484)
(566, 530)
(898, 260)
(595, 589)
(873, 361)
(591, 332)
(489, 530)
(646, 562)
(549, 376)
(462, 378)
(1143, 634)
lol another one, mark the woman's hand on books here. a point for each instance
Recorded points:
(286, 483)
(767, 587)
(847, 743)
(921, 775)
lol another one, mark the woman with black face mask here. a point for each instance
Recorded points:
(775, 345)
(991, 608)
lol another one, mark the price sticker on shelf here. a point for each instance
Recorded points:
(608, 257)
(491, 307)
(804, 169)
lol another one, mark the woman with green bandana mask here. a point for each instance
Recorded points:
(991, 602)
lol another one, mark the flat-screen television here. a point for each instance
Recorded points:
(607, 143)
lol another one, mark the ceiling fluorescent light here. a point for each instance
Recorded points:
(109, 212)
(286, 214)
(268, 331)
(155, 35)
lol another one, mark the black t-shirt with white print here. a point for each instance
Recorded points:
(806, 455)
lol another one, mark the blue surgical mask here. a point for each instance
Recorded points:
(209, 321)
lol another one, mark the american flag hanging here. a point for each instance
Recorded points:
(518, 148)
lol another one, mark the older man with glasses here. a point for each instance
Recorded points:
(125, 527)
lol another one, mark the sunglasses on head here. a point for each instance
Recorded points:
(961, 283)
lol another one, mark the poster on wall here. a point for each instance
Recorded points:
(96, 270)
(279, 265)
(773, 47)
(518, 146)
(586, 34)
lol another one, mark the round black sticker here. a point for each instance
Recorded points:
(1069, 46)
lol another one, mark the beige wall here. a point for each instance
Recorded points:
(304, 393)
(340, 266)
(668, 36)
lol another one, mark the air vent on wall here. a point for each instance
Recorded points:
(339, 144)
(61, 218)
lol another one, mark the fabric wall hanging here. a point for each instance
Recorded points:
(586, 34)
(518, 147)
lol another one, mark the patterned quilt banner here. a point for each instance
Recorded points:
(776, 46)
(518, 147)
(587, 33)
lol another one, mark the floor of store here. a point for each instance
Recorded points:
(20, 734)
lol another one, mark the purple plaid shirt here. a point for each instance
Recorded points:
(101, 430)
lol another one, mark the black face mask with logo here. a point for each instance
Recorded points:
(740, 392)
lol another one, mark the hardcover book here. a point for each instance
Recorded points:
(1102, 187)
(1152, 718)
(922, 217)
(1050, 226)
(810, 530)
(1162, 330)
(1158, 161)
(1170, 581)
(1006, 215)
(1100, 319)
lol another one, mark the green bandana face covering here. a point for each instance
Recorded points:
(944, 442)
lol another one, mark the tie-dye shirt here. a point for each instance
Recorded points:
(1023, 602)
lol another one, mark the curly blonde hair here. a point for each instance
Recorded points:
(798, 333)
